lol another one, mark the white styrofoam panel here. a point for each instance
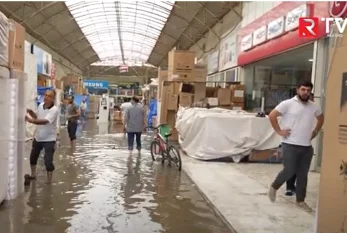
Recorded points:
(21, 77)
(30, 68)
(4, 131)
(12, 187)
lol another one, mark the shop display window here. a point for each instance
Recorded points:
(275, 78)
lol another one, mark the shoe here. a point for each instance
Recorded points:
(290, 193)
(304, 206)
(272, 194)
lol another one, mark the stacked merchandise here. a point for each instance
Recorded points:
(13, 159)
(12, 73)
(73, 82)
(93, 106)
(182, 84)
(4, 131)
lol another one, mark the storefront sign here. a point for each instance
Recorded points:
(212, 65)
(246, 42)
(292, 19)
(95, 84)
(275, 28)
(338, 9)
(228, 53)
(280, 41)
(123, 69)
(259, 35)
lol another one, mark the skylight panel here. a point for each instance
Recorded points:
(125, 32)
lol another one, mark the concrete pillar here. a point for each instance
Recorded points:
(318, 78)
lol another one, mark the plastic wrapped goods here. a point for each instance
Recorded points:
(4, 30)
(4, 131)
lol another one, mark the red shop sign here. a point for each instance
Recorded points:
(338, 9)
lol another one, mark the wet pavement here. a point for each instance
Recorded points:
(104, 189)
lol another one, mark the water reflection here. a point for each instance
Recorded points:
(104, 189)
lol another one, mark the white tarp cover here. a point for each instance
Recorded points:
(209, 134)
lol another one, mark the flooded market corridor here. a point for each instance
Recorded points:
(104, 189)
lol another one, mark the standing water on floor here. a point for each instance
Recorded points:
(102, 188)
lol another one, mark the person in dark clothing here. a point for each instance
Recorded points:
(290, 191)
(73, 113)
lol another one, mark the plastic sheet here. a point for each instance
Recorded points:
(209, 134)
(4, 131)
(21, 78)
(4, 30)
(12, 188)
(30, 68)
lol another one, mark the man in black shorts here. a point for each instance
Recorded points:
(72, 112)
(45, 119)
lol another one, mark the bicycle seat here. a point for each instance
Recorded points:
(167, 135)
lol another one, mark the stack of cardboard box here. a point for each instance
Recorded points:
(93, 106)
(237, 96)
(76, 82)
(12, 36)
(16, 46)
(182, 84)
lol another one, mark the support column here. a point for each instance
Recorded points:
(318, 78)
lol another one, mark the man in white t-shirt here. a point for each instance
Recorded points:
(298, 128)
(45, 134)
(124, 107)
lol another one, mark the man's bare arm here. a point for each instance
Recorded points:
(274, 114)
(32, 113)
(320, 122)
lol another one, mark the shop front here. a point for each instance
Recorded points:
(273, 56)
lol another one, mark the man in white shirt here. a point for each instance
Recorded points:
(46, 133)
(124, 107)
(297, 128)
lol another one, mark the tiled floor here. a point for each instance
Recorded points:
(239, 193)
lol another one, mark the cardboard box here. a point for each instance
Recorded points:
(238, 106)
(332, 200)
(185, 99)
(181, 61)
(270, 155)
(181, 76)
(163, 105)
(200, 73)
(238, 93)
(181, 65)
(212, 91)
(172, 87)
(212, 101)
(162, 76)
(59, 84)
(199, 92)
(16, 46)
(224, 96)
(172, 103)
(171, 119)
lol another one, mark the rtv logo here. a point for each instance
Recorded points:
(309, 26)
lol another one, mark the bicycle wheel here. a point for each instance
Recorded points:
(175, 157)
(155, 149)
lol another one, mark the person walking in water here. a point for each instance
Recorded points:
(297, 129)
(45, 136)
(83, 109)
(72, 118)
(134, 123)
